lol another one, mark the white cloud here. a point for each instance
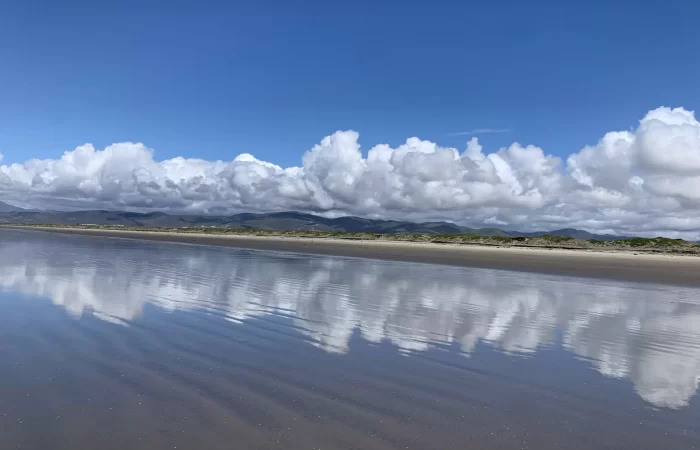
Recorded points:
(644, 181)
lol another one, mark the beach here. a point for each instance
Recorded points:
(134, 343)
(618, 265)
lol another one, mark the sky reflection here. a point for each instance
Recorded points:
(649, 334)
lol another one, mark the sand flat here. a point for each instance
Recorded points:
(620, 265)
(135, 344)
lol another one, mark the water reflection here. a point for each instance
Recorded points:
(648, 334)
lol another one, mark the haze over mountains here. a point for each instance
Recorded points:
(290, 220)
(5, 208)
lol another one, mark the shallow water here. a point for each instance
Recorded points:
(115, 344)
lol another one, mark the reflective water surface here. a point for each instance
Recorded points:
(115, 344)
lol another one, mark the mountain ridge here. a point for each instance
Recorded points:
(283, 221)
(6, 207)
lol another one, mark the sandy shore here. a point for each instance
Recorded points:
(628, 266)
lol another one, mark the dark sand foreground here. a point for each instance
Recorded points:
(620, 265)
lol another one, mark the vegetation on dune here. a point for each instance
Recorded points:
(653, 242)
(551, 238)
(659, 244)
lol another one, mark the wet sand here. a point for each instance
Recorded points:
(128, 344)
(627, 266)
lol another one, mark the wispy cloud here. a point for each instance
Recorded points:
(481, 131)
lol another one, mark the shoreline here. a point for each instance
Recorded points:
(617, 265)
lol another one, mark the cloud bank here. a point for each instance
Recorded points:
(645, 181)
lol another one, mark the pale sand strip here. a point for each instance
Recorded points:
(661, 268)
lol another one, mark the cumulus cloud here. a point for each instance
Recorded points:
(645, 181)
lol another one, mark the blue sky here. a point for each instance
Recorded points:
(220, 81)
(215, 79)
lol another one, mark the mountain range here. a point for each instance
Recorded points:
(284, 221)
(6, 208)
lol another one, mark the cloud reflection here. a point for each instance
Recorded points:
(648, 334)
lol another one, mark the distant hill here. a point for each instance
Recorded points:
(268, 221)
(6, 208)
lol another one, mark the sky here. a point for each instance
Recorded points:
(226, 106)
